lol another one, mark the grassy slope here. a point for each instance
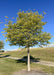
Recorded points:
(42, 53)
(8, 66)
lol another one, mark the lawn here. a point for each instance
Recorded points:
(8, 66)
(46, 54)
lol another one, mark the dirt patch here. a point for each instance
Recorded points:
(32, 72)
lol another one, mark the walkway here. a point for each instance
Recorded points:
(48, 63)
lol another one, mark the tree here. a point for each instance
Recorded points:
(1, 45)
(27, 31)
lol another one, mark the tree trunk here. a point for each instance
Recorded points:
(28, 60)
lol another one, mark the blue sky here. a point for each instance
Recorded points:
(10, 8)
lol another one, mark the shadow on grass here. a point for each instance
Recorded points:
(4, 56)
(25, 58)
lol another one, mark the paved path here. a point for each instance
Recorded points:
(24, 72)
(48, 63)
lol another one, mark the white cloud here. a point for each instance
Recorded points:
(50, 45)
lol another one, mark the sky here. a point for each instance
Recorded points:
(11, 7)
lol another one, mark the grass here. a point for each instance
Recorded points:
(46, 69)
(8, 66)
(46, 54)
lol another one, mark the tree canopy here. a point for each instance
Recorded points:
(1, 45)
(28, 30)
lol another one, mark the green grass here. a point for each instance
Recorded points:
(46, 54)
(43, 68)
(8, 66)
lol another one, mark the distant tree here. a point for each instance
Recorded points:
(1, 45)
(27, 31)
